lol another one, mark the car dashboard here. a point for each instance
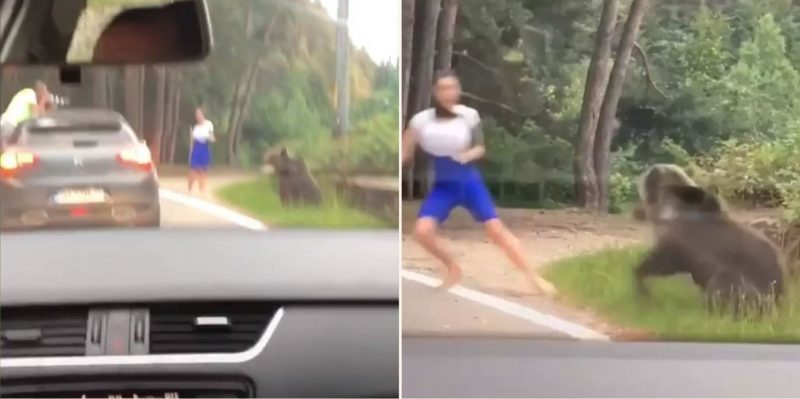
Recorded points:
(199, 314)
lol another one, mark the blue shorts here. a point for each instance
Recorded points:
(471, 194)
(201, 156)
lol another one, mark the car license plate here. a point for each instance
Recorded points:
(80, 196)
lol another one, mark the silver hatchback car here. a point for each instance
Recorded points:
(77, 167)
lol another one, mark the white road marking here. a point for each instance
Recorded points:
(502, 305)
(511, 308)
(213, 209)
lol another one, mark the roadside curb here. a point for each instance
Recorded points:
(512, 308)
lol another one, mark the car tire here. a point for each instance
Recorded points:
(154, 221)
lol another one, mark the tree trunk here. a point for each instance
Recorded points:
(9, 76)
(129, 83)
(232, 120)
(111, 85)
(169, 115)
(236, 119)
(100, 88)
(238, 94)
(408, 46)
(608, 124)
(141, 80)
(423, 75)
(447, 30)
(52, 77)
(248, 94)
(177, 133)
(251, 76)
(133, 99)
(408, 39)
(596, 78)
(160, 105)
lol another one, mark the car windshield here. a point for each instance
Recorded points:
(642, 155)
(291, 122)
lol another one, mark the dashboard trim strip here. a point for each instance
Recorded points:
(189, 358)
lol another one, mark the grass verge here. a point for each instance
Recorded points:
(258, 198)
(603, 282)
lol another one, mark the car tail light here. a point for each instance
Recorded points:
(11, 162)
(137, 157)
(78, 212)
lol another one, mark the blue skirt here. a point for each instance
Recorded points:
(201, 155)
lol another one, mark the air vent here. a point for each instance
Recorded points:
(208, 328)
(197, 386)
(43, 331)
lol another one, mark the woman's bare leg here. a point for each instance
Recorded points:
(425, 235)
(191, 179)
(201, 178)
(504, 239)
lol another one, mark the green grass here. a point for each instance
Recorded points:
(258, 198)
(603, 282)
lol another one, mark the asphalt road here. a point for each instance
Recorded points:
(465, 311)
(491, 367)
(464, 343)
(179, 215)
(175, 214)
(428, 312)
(179, 209)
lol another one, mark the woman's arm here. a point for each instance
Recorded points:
(472, 154)
(409, 145)
(211, 136)
(191, 140)
(39, 107)
(478, 148)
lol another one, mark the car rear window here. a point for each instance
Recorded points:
(104, 128)
(75, 133)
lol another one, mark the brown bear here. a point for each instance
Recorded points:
(648, 186)
(786, 235)
(295, 184)
(738, 268)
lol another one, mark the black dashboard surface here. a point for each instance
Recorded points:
(315, 351)
(156, 265)
(523, 368)
(338, 291)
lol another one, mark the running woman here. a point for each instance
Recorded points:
(200, 150)
(451, 134)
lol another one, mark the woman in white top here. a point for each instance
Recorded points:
(451, 134)
(200, 150)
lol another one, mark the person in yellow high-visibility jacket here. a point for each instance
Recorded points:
(28, 103)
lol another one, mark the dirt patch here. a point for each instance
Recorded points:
(546, 236)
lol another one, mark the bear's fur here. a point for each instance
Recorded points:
(736, 267)
(296, 186)
(648, 187)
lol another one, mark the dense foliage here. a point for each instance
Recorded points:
(719, 94)
(294, 102)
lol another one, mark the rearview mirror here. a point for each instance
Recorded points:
(103, 32)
